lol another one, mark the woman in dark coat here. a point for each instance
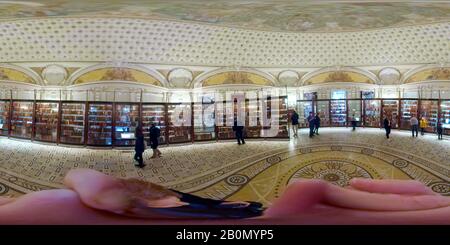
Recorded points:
(139, 147)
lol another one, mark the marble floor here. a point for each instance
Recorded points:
(257, 171)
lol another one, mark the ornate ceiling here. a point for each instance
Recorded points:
(269, 15)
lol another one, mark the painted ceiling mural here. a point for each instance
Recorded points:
(270, 15)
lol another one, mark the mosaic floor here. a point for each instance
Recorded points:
(257, 171)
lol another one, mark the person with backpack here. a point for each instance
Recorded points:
(155, 133)
(139, 146)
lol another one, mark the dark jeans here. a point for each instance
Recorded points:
(311, 131)
(388, 131)
(316, 129)
(439, 135)
(422, 131)
(414, 128)
(240, 136)
(138, 157)
(354, 125)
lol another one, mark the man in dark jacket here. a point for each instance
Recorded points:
(238, 129)
(387, 126)
(311, 123)
(294, 121)
(316, 124)
(439, 130)
(154, 140)
(139, 147)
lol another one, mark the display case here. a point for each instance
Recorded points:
(430, 110)
(255, 131)
(409, 108)
(354, 109)
(445, 116)
(46, 121)
(204, 121)
(126, 119)
(100, 124)
(338, 112)
(372, 110)
(323, 108)
(304, 108)
(179, 123)
(22, 119)
(156, 114)
(276, 107)
(391, 110)
(72, 123)
(4, 117)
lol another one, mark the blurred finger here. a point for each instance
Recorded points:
(5, 200)
(355, 199)
(406, 187)
(299, 197)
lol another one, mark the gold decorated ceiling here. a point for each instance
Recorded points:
(236, 77)
(117, 74)
(338, 76)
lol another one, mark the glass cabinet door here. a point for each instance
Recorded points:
(72, 123)
(304, 108)
(4, 117)
(126, 120)
(354, 110)
(338, 113)
(445, 115)
(179, 123)
(429, 109)
(22, 119)
(408, 110)
(46, 122)
(323, 108)
(100, 124)
(391, 110)
(154, 113)
(204, 122)
(372, 113)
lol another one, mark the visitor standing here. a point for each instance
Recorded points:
(353, 122)
(238, 129)
(155, 133)
(294, 121)
(414, 125)
(317, 124)
(439, 130)
(139, 146)
(423, 125)
(387, 126)
(311, 123)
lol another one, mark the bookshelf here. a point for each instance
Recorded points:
(179, 123)
(372, 113)
(430, 110)
(46, 121)
(408, 109)
(126, 120)
(154, 113)
(224, 131)
(445, 115)
(72, 123)
(100, 124)
(22, 119)
(204, 121)
(4, 117)
(338, 112)
(391, 109)
(323, 108)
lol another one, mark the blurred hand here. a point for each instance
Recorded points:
(95, 198)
